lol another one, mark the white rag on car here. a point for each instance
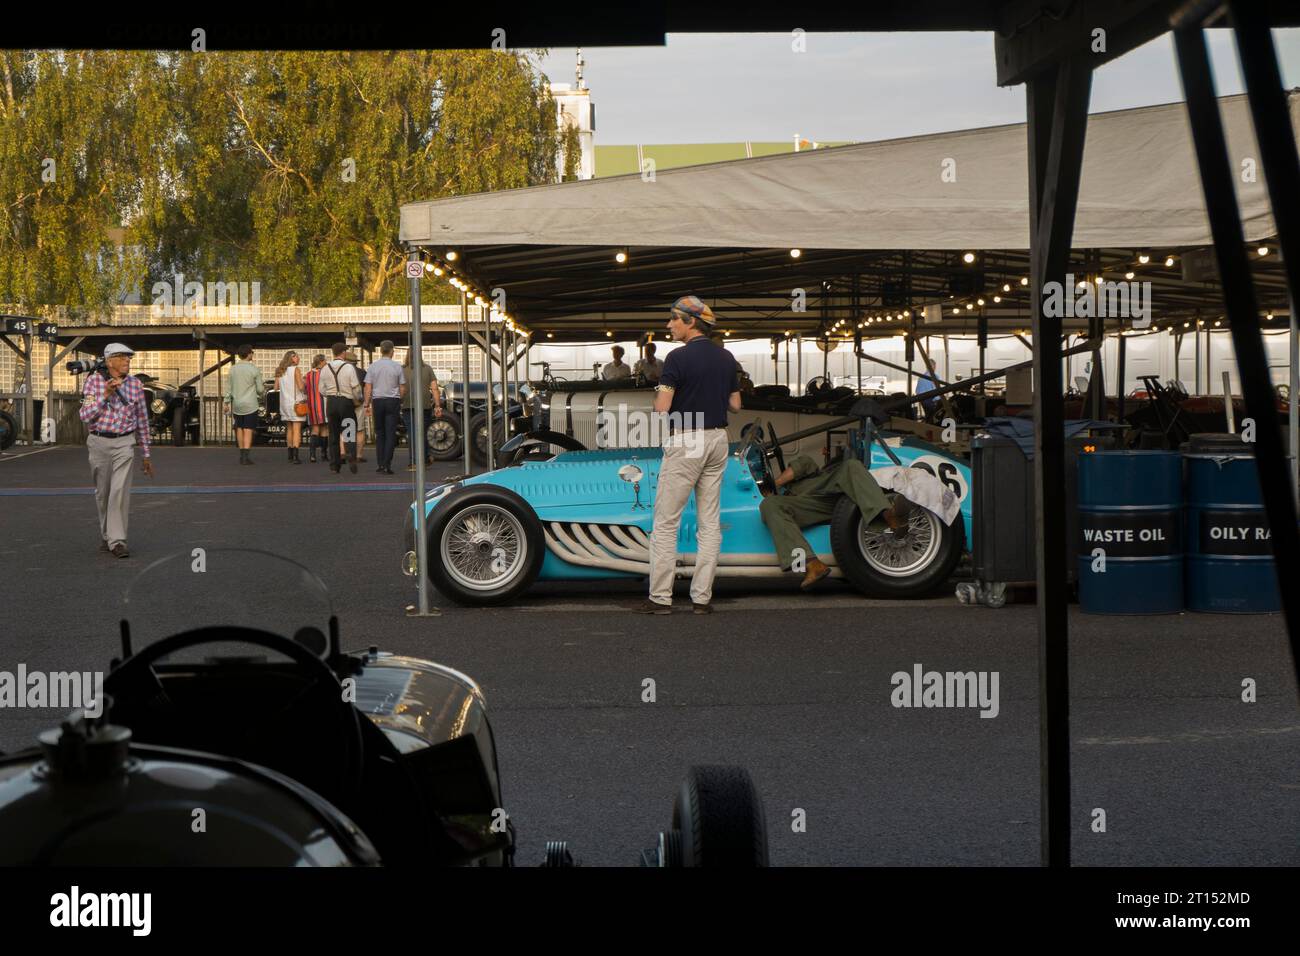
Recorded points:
(919, 487)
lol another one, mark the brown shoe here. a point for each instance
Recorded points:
(702, 608)
(816, 571)
(652, 607)
(119, 551)
(896, 517)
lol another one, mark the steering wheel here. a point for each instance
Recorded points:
(318, 742)
(817, 384)
(776, 448)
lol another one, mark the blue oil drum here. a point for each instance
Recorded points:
(1229, 561)
(1131, 511)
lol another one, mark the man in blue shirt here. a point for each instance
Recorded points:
(697, 388)
(384, 389)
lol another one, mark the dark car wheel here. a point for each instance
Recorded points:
(178, 425)
(442, 438)
(485, 545)
(8, 430)
(478, 436)
(718, 820)
(882, 564)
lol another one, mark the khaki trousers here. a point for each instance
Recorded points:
(111, 468)
(693, 462)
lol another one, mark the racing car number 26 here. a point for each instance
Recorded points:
(945, 471)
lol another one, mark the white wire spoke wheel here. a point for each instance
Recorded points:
(484, 548)
(900, 556)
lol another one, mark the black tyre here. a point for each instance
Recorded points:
(8, 431)
(881, 564)
(442, 439)
(178, 425)
(718, 816)
(485, 545)
(478, 436)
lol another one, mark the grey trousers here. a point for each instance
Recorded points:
(691, 464)
(111, 468)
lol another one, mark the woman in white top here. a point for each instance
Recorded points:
(288, 378)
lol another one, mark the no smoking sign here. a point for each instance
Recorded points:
(414, 270)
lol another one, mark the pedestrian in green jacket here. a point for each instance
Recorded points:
(245, 392)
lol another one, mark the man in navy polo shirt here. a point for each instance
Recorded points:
(697, 388)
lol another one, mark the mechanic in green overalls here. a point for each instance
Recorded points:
(809, 498)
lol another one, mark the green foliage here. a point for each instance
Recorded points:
(288, 169)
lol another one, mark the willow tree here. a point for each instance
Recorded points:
(288, 169)
(328, 146)
(70, 169)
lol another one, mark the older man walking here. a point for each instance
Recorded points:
(113, 409)
(697, 388)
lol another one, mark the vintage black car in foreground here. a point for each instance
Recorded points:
(292, 752)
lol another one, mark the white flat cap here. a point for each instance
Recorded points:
(117, 348)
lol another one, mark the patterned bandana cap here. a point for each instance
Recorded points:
(693, 306)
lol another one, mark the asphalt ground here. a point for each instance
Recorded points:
(795, 687)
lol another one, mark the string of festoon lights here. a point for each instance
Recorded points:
(441, 268)
(1012, 287)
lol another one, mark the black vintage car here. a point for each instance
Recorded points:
(173, 409)
(252, 717)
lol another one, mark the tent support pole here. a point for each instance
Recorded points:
(1057, 108)
(1122, 347)
(1272, 123)
(417, 446)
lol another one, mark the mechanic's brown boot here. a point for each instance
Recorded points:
(816, 571)
(896, 517)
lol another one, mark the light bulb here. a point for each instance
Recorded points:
(451, 255)
(1128, 275)
(1024, 280)
(621, 257)
(795, 253)
(968, 258)
(1262, 250)
(1144, 258)
(1169, 261)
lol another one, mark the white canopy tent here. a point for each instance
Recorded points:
(960, 190)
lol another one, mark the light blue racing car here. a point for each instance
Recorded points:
(588, 514)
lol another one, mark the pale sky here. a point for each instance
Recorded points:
(849, 86)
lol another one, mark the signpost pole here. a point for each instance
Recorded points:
(414, 272)
(464, 397)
